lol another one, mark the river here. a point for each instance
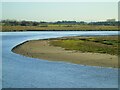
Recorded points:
(24, 72)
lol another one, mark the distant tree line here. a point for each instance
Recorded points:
(116, 23)
(19, 23)
(44, 24)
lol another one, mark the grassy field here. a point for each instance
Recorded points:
(99, 44)
(57, 27)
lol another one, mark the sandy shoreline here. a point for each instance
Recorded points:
(42, 50)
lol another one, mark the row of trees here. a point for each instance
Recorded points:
(105, 23)
(34, 23)
(19, 23)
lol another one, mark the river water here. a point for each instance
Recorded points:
(24, 72)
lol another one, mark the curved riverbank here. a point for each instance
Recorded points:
(43, 50)
(50, 74)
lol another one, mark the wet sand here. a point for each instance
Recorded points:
(42, 50)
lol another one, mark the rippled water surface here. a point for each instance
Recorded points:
(20, 71)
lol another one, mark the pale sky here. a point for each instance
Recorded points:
(54, 11)
(60, 0)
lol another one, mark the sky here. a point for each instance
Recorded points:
(57, 11)
(60, 0)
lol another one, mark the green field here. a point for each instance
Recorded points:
(54, 27)
(99, 44)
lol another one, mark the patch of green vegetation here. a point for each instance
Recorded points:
(109, 42)
(100, 44)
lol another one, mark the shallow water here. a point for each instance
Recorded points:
(24, 72)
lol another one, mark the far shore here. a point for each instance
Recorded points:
(59, 28)
(43, 49)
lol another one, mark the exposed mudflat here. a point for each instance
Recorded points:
(42, 50)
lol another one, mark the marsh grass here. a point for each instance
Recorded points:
(58, 27)
(98, 44)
